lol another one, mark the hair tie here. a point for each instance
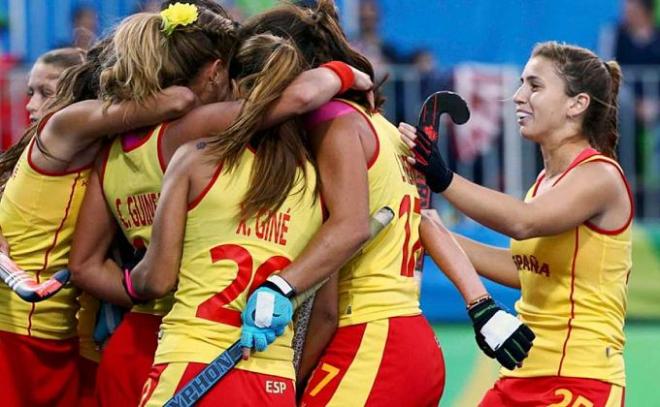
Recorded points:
(177, 14)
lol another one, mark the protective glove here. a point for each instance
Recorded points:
(430, 163)
(268, 312)
(499, 334)
(107, 320)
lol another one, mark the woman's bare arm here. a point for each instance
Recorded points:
(90, 267)
(322, 326)
(449, 256)
(156, 274)
(309, 91)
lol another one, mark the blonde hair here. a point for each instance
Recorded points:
(266, 65)
(147, 60)
(583, 71)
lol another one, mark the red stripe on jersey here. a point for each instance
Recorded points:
(586, 153)
(159, 147)
(570, 320)
(206, 189)
(51, 173)
(53, 244)
(630, 198)
(538, 183)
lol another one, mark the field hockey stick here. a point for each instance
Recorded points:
(204, 381)
(25, 286)
(429, 121)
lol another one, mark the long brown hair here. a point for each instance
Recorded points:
(582, 71)
(76, 83)
(318, 35)
(265, 66)
(148, 60)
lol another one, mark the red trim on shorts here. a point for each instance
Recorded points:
(206, 189)
(630, 198)
(53, 244)
(159, 146)
(570, 320)
(374, 157)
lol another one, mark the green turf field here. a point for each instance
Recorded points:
(469, 374)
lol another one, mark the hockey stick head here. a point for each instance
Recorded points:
(25, 286)
(437, 104)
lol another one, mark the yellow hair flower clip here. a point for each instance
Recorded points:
(178, 14)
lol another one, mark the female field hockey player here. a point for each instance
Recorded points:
(44, 76)
(42, 84)
(235, 208)
(363, 168)
(571, 249)
(44, 177)
(125, 188)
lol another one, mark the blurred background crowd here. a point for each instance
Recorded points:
(476, 48)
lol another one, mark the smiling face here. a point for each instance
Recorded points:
(42, 84)
(542, 106)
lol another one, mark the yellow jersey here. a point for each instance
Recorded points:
(131, 177)
(574, 288)
(379, 283)
(38, 212)
(224, 259)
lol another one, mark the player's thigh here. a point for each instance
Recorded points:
(368, 364)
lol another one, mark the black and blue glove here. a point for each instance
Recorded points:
(499, 334)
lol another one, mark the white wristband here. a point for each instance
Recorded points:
(282, 284)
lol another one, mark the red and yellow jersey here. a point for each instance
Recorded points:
(574, 288)
(224, 259)
(38, 212)
(379, 283)
(89, 308)
(131, 178)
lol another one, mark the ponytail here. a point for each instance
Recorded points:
(610, 137)
(149, 59)
(266, 66)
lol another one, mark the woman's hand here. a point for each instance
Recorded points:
(362, 81)
(426, 158)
